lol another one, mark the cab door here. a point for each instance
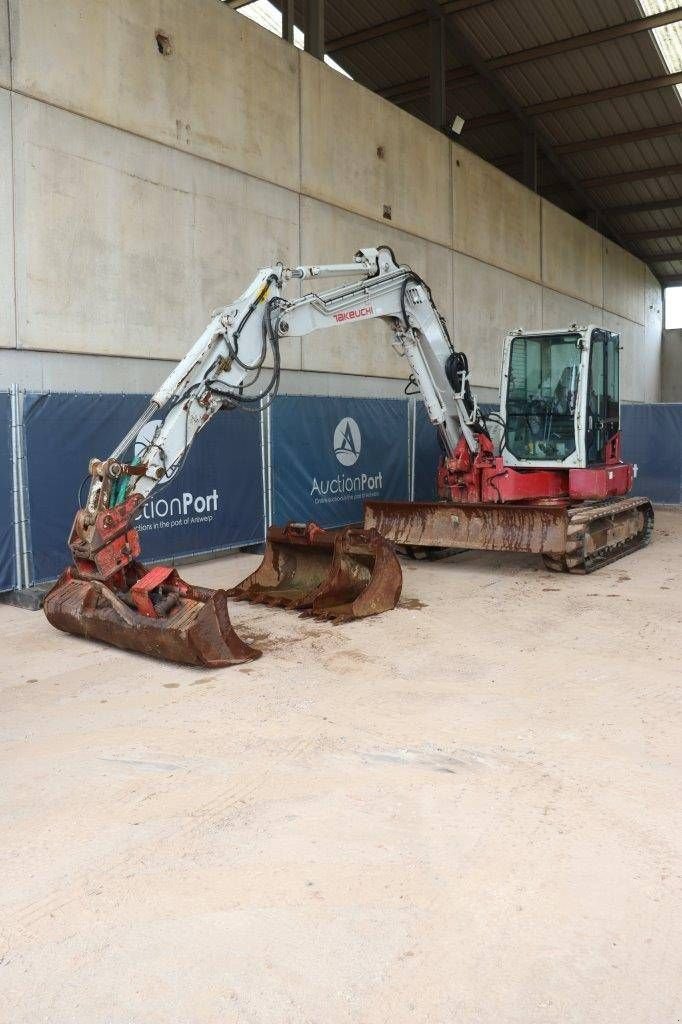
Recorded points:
(603, 406)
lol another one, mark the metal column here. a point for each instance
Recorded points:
(437, 72)
(287, 9)
(530, 161)
(314, 28)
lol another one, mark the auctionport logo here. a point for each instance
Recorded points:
(183, 510)
(347, 441)
(347, 445)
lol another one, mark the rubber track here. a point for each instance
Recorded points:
(582, 519)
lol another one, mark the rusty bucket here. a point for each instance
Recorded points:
(327, 574)
(170, 619)
(295, 564)
(364, 579)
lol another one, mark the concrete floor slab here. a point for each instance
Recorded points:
(466, 810)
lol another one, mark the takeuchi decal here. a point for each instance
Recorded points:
(353, 314)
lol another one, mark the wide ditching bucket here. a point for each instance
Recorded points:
(327, 574)
(159, 615)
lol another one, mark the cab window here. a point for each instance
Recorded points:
(541, 396)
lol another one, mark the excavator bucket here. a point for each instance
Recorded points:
(364, 579)
(336, 575)
(295, 564)
(160, 615)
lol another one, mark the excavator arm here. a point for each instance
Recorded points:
(108, 594)
(227, 362)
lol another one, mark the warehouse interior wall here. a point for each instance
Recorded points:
(671, 366)
(158, 153)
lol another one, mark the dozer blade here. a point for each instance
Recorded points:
(195, 630)
(577, 539)
(337, 575)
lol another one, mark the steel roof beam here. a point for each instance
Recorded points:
(387, 28)
(624, 176)
(663, 257)
(600, 35)
(417, 88)
(580, 100)
(513, 165)
(514, 159)
(468, 54)
(621, 139)
(672, 281)
(673, 232)
(650, 207)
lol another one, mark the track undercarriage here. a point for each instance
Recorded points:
(571, 538)
(603, 532)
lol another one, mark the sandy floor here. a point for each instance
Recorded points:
(465, 810)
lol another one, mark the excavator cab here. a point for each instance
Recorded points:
(546, 473)
(559, 398)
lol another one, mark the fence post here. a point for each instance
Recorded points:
(411, 443)
(266, 460)
(22, 560)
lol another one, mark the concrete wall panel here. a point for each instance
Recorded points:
(155, 193)
(561, 310)
(571, 256)
(671, 370)
(7, 323)
(488, 304)
(228, 90)
(495, 218)
(124, 246)
(60, 371)
(653, 336)
(632, 355)
(364, 154)
(5, 68)
(624, 283)
(330, 235)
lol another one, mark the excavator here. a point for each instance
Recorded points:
(544, 474)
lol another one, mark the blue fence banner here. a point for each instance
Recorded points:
(7, 562)
(652, 438)
(427, 455)
(330, 455)
(215, 501)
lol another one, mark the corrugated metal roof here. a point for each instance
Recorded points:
(498, 28)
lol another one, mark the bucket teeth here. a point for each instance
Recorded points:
(196, 631)
(329, 575)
